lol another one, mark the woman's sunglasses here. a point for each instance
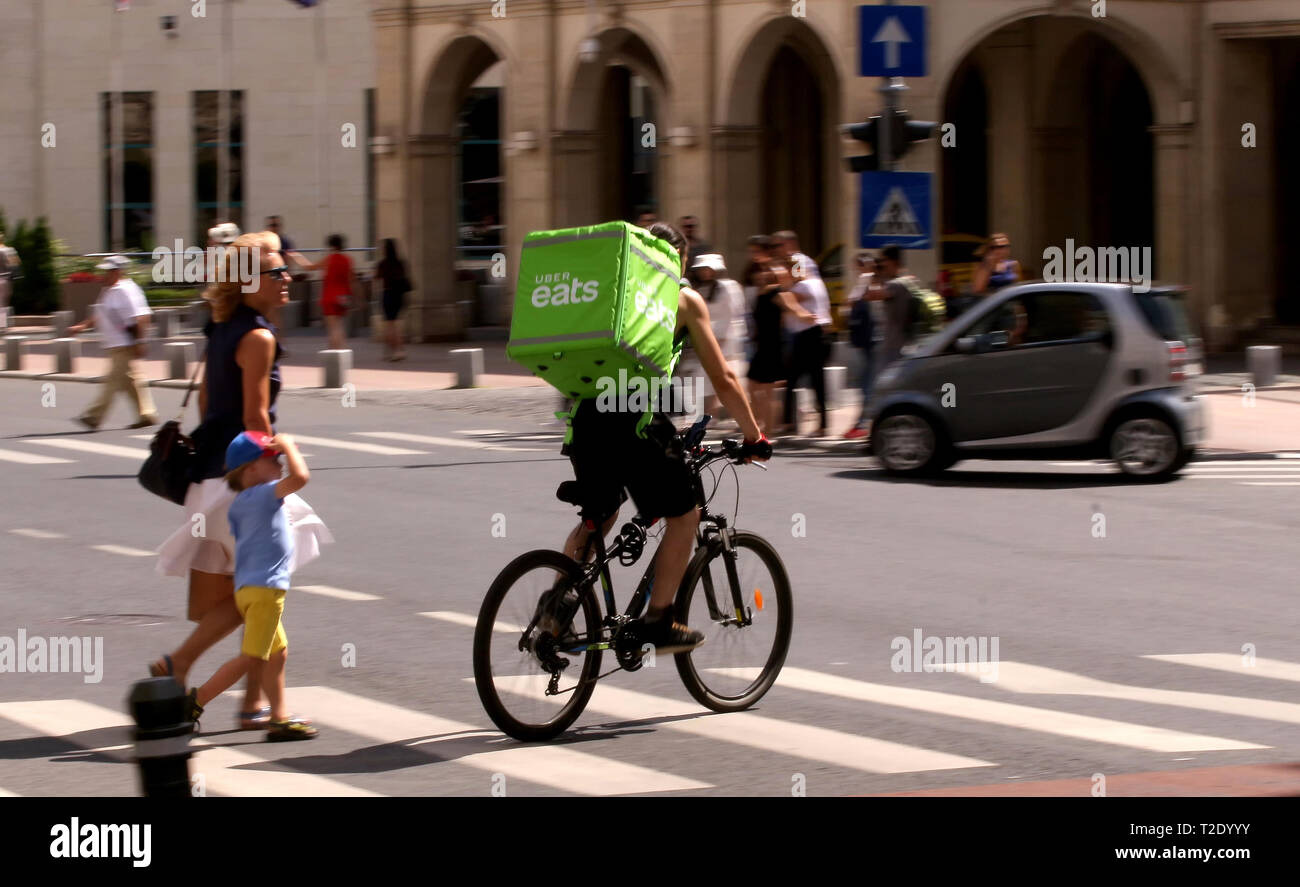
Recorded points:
(283, 269)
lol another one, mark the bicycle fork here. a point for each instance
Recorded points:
(740, 614)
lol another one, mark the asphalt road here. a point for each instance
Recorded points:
(1081, 577)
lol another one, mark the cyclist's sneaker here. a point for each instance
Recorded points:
(550, 602)
(669, 636)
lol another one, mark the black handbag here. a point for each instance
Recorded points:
(170, 465)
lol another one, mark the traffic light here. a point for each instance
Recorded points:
(906, 131)
(903, 131)
(869, 132)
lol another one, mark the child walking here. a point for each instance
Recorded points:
(263, 553)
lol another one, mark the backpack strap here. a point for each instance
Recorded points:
(568, 420)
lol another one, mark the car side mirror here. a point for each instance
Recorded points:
(997, 339)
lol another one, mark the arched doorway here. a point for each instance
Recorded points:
(966, 169)
(792, 145)
(1101, 163)
(776, 156)
(457, 181)
(608, 157)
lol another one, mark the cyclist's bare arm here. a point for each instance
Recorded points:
(694, 314)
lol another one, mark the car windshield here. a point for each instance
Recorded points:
(1165, 314)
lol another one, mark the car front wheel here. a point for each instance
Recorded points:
(1147, 448)
(909, 444)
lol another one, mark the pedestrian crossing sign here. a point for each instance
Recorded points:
(896, 209)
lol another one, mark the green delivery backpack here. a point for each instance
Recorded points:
(594, 303)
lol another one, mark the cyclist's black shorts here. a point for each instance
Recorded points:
(608, 457)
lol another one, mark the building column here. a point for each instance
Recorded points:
(1173, 218)
(433, 312)
(736, 174)
(1003, 63)
(575, 197)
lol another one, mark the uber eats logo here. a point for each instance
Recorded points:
(654, 310)
(563, 288)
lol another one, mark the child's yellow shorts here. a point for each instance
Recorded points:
(263, 632)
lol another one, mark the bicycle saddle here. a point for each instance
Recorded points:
(569, 492)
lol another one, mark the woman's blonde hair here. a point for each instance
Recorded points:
(989, 244)
(227, 293)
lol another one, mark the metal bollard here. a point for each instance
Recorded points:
(165, 323)
(179, 357)
(4, 317)
(1264, 362)
(469, 366)
(66, 352)
(337, 362)
(62, 320)
(836, 377)
(162, 738)
(14, 352)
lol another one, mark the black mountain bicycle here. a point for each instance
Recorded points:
(541, 632)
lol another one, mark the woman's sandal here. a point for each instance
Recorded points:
(257, 719)
(193, 711)
(290, 729)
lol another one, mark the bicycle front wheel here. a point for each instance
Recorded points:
(534, 675)
(742, 653)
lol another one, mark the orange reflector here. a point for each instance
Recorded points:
(758, 599)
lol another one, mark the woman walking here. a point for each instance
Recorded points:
(392, 271)
(996, 269)
(337, 289)
(772, 281)
(240, 383)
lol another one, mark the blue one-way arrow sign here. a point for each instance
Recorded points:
(891, 41)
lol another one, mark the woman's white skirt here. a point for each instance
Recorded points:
(203, 541)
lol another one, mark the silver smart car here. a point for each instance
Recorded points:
(1045, 371)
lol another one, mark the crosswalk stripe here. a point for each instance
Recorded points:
(4, 793)
(471, 621)
(1271, 483)
(1241, 476)
(1277, 669)
(124, 550)
(342, 594)
(87, 446)
(356, 446)
(433, 440)
(226, 771)
(1216, 467)
(30, 458)
(758, 731)
(1019, 677)
(1023, 717)
(36, 534)
(553, 766)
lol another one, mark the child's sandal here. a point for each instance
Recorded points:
(289, 730)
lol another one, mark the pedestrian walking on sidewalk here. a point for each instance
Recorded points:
(809, 347)
(237, 392)
(338, 289)
(897, 299)
(122, 317)
(862, 336)
(9, 265)
(392, 271)
(259, 524)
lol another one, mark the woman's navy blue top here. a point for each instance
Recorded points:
(224, 418)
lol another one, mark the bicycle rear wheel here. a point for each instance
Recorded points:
(513, 667)
(738, 663)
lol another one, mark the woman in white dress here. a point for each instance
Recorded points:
(240, 383)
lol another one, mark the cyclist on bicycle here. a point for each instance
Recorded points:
(609, 456)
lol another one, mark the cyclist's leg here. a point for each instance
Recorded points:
(578, 537)
(671, 559)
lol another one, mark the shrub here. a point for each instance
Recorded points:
(37, 290)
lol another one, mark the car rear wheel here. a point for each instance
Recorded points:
(908, 444)
(1147, 448)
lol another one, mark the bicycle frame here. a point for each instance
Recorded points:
(712, 533)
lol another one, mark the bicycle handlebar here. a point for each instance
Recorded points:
(734, 450)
